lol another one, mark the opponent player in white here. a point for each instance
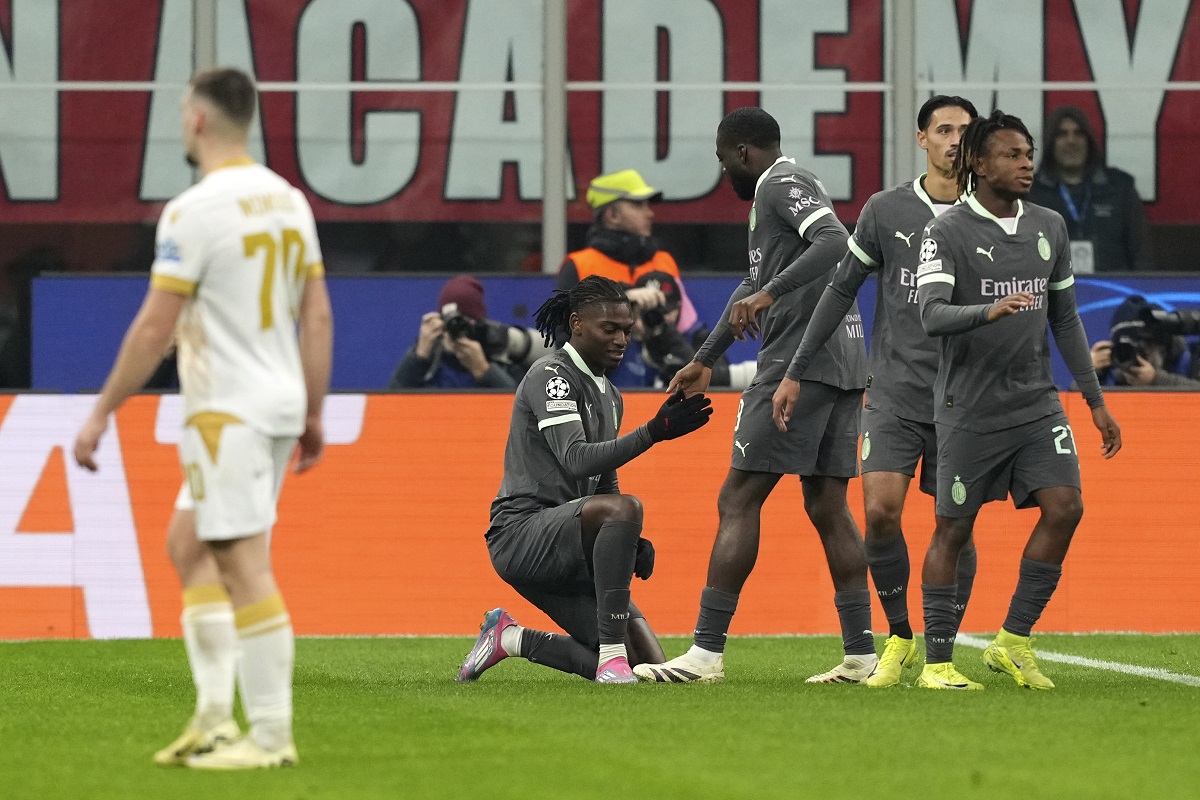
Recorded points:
(237, 265)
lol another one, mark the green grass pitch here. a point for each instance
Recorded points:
(383, 718)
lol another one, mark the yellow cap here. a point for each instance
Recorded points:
(624, 185)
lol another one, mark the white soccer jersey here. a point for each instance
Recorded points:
(240, 244)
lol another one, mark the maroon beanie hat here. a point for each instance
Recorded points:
(467, 292)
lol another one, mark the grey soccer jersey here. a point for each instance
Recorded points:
(562, 441)
(904, 359)
(996, 376)
(790, 207)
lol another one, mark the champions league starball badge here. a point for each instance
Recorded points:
(557, 388)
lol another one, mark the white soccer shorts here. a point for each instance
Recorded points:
(234, 494)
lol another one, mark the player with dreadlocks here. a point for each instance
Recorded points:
(561, 532)
(994, 270)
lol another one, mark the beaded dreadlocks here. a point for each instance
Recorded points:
(554, 315)
(974, 145)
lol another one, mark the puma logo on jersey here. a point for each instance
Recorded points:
(987, 252)
(906, 239)
(741, 447)
(552, 369)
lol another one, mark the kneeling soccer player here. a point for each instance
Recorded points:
(561, 533)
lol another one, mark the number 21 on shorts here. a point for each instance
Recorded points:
(1064, 434)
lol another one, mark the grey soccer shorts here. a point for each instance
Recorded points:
(822, 437)
(541, 556)
(972, 466)
(894, 444)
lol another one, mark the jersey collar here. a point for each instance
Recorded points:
(921, 193)
(978, 208)
(583, 367)
(919, 188)
(241, 161)
(763, 177)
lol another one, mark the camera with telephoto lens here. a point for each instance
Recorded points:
(1184, 322)
(1125, 354)
(500, 342)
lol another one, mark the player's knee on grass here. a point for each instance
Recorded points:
(642, 645)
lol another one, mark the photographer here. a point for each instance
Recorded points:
(621, 246)
(1148, 348)
(458, 347)
(658, 350)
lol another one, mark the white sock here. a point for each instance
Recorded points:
(210, 639)
(702, 655)
(610, 651)
(510, 640)
(265, 670)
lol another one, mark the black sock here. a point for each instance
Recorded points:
(1034, 588)
(612, 566)
(888, 560)
(854, 612)
(968, 563)
(559, 652)
(941, 624)
(716, 612)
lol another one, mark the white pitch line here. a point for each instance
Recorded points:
(1095, 663)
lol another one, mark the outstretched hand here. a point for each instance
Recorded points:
(680, 416)
(692, 379)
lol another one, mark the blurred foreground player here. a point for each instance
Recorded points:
(561, 533)
(237, 266)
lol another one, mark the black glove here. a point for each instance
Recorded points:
(679, 416)
(643, 562)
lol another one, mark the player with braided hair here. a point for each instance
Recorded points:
(554, 316)
(562, 533)
(975, 142)
(897, 416)
(994, 271)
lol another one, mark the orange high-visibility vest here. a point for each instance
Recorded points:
(591, 261)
